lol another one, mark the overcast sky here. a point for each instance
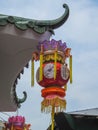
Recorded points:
(80, 32)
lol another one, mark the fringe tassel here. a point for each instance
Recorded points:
(41, 64)
(59, 105)
(55, 61)
(70, 65)
(32, 72)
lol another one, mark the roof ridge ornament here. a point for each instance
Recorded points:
(57, 22)
(39, 26)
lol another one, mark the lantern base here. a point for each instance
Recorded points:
(58, 103)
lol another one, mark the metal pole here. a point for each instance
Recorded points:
(52, 117)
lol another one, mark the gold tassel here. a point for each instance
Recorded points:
(32, 72)
(55, 61)
(41, 64)
(70, 65)
(46, 105)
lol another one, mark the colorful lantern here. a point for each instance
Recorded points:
(17, 123)
(53, 74)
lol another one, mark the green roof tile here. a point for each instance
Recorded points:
(39, 26)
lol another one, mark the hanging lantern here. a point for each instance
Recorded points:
(17, 123)
(53, 75)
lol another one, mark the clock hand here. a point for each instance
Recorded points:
(49, 69)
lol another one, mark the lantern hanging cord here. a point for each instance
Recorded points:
(17, 112)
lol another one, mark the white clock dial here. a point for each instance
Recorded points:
(49, 70)
(64, 72)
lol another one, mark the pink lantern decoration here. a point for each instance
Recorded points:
(17, 123)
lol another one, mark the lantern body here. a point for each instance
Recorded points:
(62, 75)
(53, 74)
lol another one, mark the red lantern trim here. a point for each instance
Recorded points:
(53, 91)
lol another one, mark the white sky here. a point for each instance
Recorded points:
(80, 32)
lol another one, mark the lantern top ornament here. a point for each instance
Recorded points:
(16, 123)
(16, 119)
(52, 45)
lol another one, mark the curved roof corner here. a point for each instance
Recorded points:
(39, 26)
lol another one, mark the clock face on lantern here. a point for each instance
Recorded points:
(64, 72)
(49, 70)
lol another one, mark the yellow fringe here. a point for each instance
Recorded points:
(59, 105)
(41, 67)
(55, 61)
(41, 64)
(70, 65)
(32, 72)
